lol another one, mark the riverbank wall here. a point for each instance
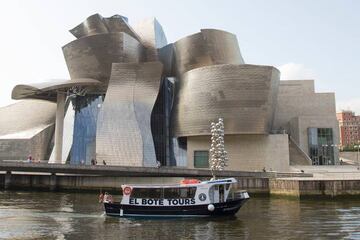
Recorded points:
(110, 178)
(59, 182)
(304, 188)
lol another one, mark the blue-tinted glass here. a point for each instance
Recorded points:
(179, 151)
(84, 137)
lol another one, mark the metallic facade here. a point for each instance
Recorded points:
(19, 119)
(47, 90)
(92, 56)
(96, 24)
(208, 47)
(25, 131)
(242, 94)
(151, 36)
(124, 130)
(146, 98)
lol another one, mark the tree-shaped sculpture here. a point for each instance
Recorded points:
(218, 156)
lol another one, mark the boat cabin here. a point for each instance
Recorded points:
(191, 192)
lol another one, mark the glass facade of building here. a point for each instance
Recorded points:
(178, 152)
(84, 137)
(160, 121)
(321, 146)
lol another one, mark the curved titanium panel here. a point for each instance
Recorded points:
(152, 37)
(91, 26)
(119, 23)
(23, 118)
(208, 47)
(92, 56)
(243, 95)
(96, 24)
(124, 131)
(47, 90)
(166, 56)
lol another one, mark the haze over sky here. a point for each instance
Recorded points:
(304, 39)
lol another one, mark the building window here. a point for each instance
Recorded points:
(201, 159)
(321, 147)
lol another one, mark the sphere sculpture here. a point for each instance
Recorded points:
(218, 155)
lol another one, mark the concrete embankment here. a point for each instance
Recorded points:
(302, 188)
(108, 183)
(327, 181)
(81, 177)
(110, 178)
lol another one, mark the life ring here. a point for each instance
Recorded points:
(127, 190)
(190, 181)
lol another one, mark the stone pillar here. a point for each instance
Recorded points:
(7, 181)
(59, 126)
(53, 182)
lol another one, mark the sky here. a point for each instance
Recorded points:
(305, 39)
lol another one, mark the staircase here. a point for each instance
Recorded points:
(297, 155)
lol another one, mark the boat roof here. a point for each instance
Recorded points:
(179, 185)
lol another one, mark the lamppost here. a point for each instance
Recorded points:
(324, 155)
(357, 155)
(337, 147)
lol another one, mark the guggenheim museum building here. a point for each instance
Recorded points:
(133, 99)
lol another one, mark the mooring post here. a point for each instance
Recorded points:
(53, 182)
(7, 181)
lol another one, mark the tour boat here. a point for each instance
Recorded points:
(189, 198)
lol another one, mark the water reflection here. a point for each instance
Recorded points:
(30, 215)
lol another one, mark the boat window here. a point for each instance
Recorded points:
(230, 195)
(146, 193)
(188, 192)
(211, 194)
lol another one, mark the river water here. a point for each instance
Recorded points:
(45, 215)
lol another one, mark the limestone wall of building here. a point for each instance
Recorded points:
(20, 148)
(299, 107)
(40, 147)
(297, 156)
(247, 152)
(14, 149)
(298, 98)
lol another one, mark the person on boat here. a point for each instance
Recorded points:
(29, 159)
(108, 198)
(101, 198)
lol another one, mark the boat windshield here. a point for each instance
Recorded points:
(183, 192)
